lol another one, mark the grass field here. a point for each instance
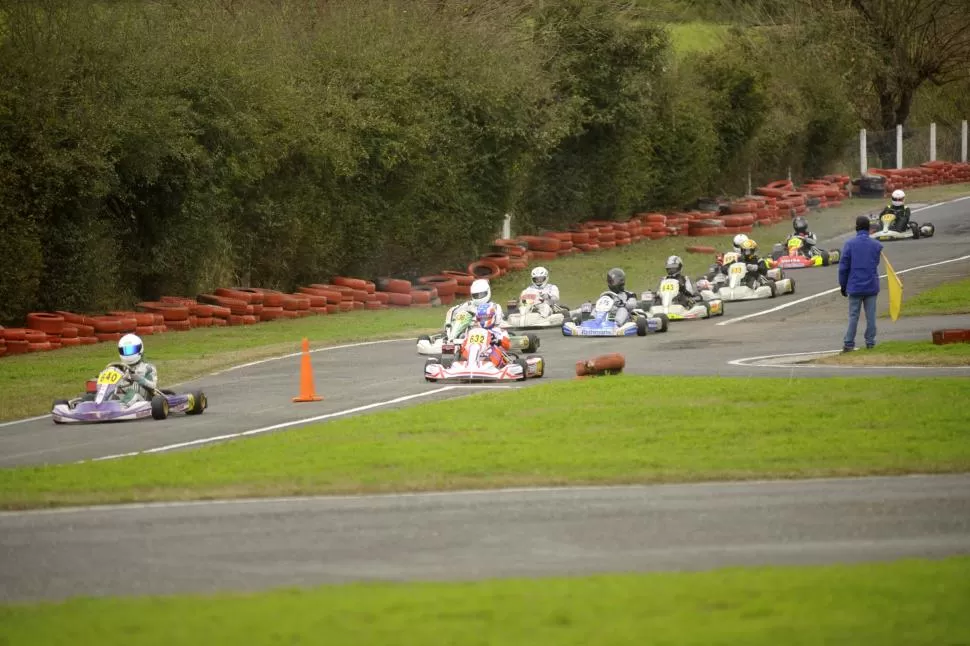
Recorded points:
(28, 383)
(948, 298)
(905, 353)
(696, 36)
(624, 429)
(911, 602)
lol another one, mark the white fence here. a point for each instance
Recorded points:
(912, 146)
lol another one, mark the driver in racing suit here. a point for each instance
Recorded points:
(626, 301)
(719, 267)
(548, 292)
(481, 294)
(809, 239)
(487, 317)
(687, 294)
(897, 206)
(757, 267)
(140, 380)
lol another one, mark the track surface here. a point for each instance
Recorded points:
(250, 545)
(255, 544)
(258, 396)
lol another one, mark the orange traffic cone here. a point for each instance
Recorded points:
(307, 391)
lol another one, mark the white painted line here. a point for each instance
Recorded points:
(21, 421)
(274, 427)
(756, 362)
(832, 291)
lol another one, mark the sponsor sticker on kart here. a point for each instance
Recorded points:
(715, 307)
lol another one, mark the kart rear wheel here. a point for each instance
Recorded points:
(773, 287)
(664, 322)
(424, 337)
(199, 403)
(522, 363)
(641, 326)
(159, 407)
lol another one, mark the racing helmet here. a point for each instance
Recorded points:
(487, 315)
(481, 292)
(540, 276)
(616, 280)
(739, 240)
(898, 197)
(800, 224)
(130, 348)
(674, 266)
(748, 248)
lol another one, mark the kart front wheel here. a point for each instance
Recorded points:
(199, 403)
(533, 342)
(641, 326)
(159, 407)
(522, 363)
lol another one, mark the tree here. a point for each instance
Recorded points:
(908, 43)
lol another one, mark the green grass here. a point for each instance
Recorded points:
(909, 602)
(905, 353)
(696, 36)
(949, 298)
(28, 383)
(611, 430)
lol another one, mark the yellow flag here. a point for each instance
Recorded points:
(895, 290)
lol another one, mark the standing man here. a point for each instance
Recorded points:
(859, 280)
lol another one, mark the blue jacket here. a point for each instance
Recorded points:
(859, 265)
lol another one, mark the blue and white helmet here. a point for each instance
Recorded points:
(130, 348)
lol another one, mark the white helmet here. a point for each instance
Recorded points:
(898, 197)
(674, 265)
(739, 240)
(130, 348)
(540, 276)
(481, 291)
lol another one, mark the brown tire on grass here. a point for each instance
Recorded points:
(605, 364)
(951, 335)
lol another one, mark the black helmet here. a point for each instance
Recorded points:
(800, 224)
(616, 280)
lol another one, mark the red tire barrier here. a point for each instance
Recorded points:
(606, 364)
(347, 281)
(45, 322)
(394, 285)
(951, 335)
(700, 249)
(446, 285)
(485, 269)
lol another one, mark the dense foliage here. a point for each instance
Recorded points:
(170, 147)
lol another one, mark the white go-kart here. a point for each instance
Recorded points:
(742, 284)
(662, 302)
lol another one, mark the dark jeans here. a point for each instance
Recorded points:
(857, 303)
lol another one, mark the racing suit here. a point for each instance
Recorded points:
(687, 294)
(499, 338)
(809, 240)
(757, 270)
(549, 294)
(138, 383)
(623, 306)
(902, 213)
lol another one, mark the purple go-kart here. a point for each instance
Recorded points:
(101, 403)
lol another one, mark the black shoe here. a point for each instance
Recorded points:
(847, 349)
(870, 347)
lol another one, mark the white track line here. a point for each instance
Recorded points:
(752, 362)
(274, 427)
(832, 291)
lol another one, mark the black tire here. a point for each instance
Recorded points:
(447, 361)
(159, 407)
(915, 229)
(664, 322)
(641, 326)
(826, 260)
(525, 368)
(533, 343)
(773, 287)
(199, 403)
(792, 286)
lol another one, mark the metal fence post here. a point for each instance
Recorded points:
(863, 158)
(899, 146)
(963, 142)
(507, 226)
(932, 142)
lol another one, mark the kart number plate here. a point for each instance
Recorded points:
(738, 269)
(109, 377)
(668, 287)
(477, 338)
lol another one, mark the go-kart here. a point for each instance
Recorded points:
(791, 255)
(663, 303)
(880, 228)
(457, 322)
(740, 284)
(718, 271)
(472, 362)
(531, 312)
(101, 402)
(609, 317)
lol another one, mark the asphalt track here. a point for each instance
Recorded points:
(375, 376)
(252, 545)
